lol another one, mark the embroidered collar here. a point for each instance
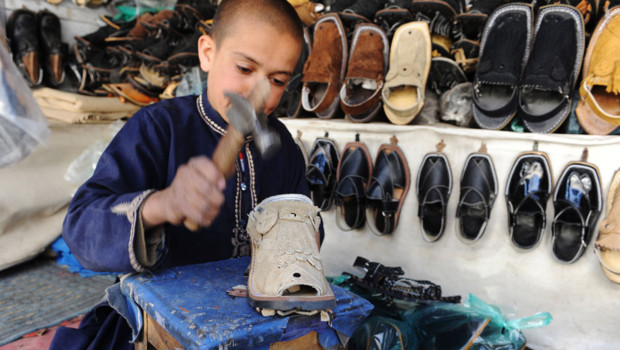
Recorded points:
(213, 119)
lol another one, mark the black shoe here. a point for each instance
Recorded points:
(52, 56)
(322, 171)
(478, 193)
(433, 189)
(577, 201)
(354, 174)
(503, 53)
(548, 80)
(21, 30)
(527, 191)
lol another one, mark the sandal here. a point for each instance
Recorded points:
(433, 189)
(478, 193)
(286, 272)
(353, 177)
(321, 172)
(607, 245)
(527, 191)
(388, 188)
(577, 201)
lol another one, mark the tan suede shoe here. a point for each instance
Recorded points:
(607, 245)
(598, 110)
(286, 272)
(410, 63)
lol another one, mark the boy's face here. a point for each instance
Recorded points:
(252, 50)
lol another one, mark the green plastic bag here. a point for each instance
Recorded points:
(473, 325)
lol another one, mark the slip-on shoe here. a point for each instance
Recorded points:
(325, 67)
(527, 191)
(410, 62)
(445, 73)
(354, 174)
(21, 30)
(321, 171)
(577, 201)
(598, 110)
(387, 190)
(51, 47)
(545, 93)
(478, 193)
(433, 189)
(504, 50)
(607, 244)
(361, 90)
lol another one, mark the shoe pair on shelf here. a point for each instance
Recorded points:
(35, 41)
(371, 194)
(345, 73)
(478, 191)
(577, 202)
(528, 68)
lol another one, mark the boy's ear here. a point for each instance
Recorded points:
(206, 51)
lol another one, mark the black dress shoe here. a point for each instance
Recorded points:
(322, 171)
(478, 193)
(52, 55)
(433, 189)
(21, 30)
(387, 190)
(527, 191)
(577, 201)
(354, 173)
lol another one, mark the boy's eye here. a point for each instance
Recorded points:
(243, 69)
(278, 82)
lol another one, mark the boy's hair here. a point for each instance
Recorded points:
(278, 13)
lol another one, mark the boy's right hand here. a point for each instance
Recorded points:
(196, 193)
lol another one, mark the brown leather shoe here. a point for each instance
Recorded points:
(325, 68)
(361, 90)
(21, 31)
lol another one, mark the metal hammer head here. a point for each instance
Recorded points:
(243, 116)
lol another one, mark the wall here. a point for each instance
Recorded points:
(582, 301)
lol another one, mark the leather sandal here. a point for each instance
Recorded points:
(353, 177)
(527, 191)
(548, 80)
(391, 18)
(504, 51)
(322, 171)
(403, 91)
(445, 73)
(361, 90)
(128, 93)
(325, 68)
(607, 244)
(433, 189)
(577, 201)
(598, 110)
(387, 189)
(286, 272)
(478, 194)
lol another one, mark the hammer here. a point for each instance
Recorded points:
(245, 118)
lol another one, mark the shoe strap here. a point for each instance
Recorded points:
(508, 108)
(531, 117)
(585, 91)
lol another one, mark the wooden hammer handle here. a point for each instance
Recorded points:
(224, 157)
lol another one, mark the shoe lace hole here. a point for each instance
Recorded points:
(296, 275)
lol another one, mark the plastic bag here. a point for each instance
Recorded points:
(22, 124)
(82, 167)
(473, 325)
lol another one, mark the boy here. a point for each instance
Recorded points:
(157, 172)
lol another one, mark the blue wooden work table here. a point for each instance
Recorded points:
(191, 305)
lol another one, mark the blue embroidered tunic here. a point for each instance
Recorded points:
(103, 226)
